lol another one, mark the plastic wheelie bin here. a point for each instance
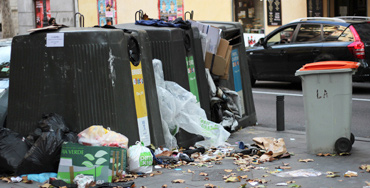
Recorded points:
(239, 78)
(327, 97)
(90, 76)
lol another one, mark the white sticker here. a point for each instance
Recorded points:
(55, 40)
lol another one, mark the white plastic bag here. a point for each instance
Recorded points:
(140, 159)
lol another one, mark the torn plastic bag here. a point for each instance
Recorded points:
(229, 122)
(44, 155)
(216, 109)
(52, 122)
(211, 84)
(97, 135)
(234, 105)
(13, 148)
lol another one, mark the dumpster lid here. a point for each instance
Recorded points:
(329, 65)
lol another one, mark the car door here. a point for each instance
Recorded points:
(267, 61)
(306, 45)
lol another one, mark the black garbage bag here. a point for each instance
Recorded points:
(44, 155)
(186, 139)
(13, 148)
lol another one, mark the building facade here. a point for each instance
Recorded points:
(258, 17)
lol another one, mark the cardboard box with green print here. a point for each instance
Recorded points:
(101, 162)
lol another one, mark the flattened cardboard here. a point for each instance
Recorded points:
(228, 60)
(223, 48)
(219, 64)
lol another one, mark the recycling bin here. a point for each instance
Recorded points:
(239, 75)
(181, 54)
(327, 97)
(89, 76)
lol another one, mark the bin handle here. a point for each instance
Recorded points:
(190, 13)
(140, 12)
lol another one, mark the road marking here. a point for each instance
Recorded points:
(299, 95)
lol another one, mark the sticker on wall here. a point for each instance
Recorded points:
(107, 12)
(169, 10)
(140, 103)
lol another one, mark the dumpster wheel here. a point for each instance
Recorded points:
(352, 138)
(343, 145)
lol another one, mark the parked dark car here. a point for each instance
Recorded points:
(5, 50)
(286, 49)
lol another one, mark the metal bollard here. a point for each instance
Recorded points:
(280, 122)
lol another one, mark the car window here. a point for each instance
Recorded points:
(4, 61)
(363, 30)
(282, 37)
(337, 33)
(309, 33)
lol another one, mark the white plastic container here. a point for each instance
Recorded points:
(327, 95)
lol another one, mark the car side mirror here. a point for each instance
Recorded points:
(261, 42)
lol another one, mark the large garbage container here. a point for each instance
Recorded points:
(90, 76)
(327, 96)
(239, 78)
(181, 54)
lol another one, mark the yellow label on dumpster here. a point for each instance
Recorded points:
(140, 103)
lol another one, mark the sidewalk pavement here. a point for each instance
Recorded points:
(295, 143)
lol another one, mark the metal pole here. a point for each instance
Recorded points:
(280, 122)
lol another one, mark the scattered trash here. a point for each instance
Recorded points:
(350, 174)
(228, 170)
(203, 174)
(42, 177)
(299, 173)
(277, 146)
(281, 184)
(83, 181)
(292, 139)
(16, 179)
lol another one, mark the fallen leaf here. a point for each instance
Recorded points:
(244, 177)
(210, 186)
(330, 174)
(206, 178)
(164, 186)
(344, 154)
(218, 162)
(367, 183)
(285, 164)
(289, 182)
(265, 175)
(365, 167)
(233, 179)
(178, 181)
(283, 167)
(190, 171)
(305, 160)
(203, 174)
(228, 170)
(294, 185)
(143, 187)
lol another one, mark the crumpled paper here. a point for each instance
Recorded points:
(277, 146)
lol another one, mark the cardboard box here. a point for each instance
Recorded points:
(219, 62)
(228, 58)
(98, 161)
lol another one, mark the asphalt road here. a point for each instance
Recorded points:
(264, 94)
